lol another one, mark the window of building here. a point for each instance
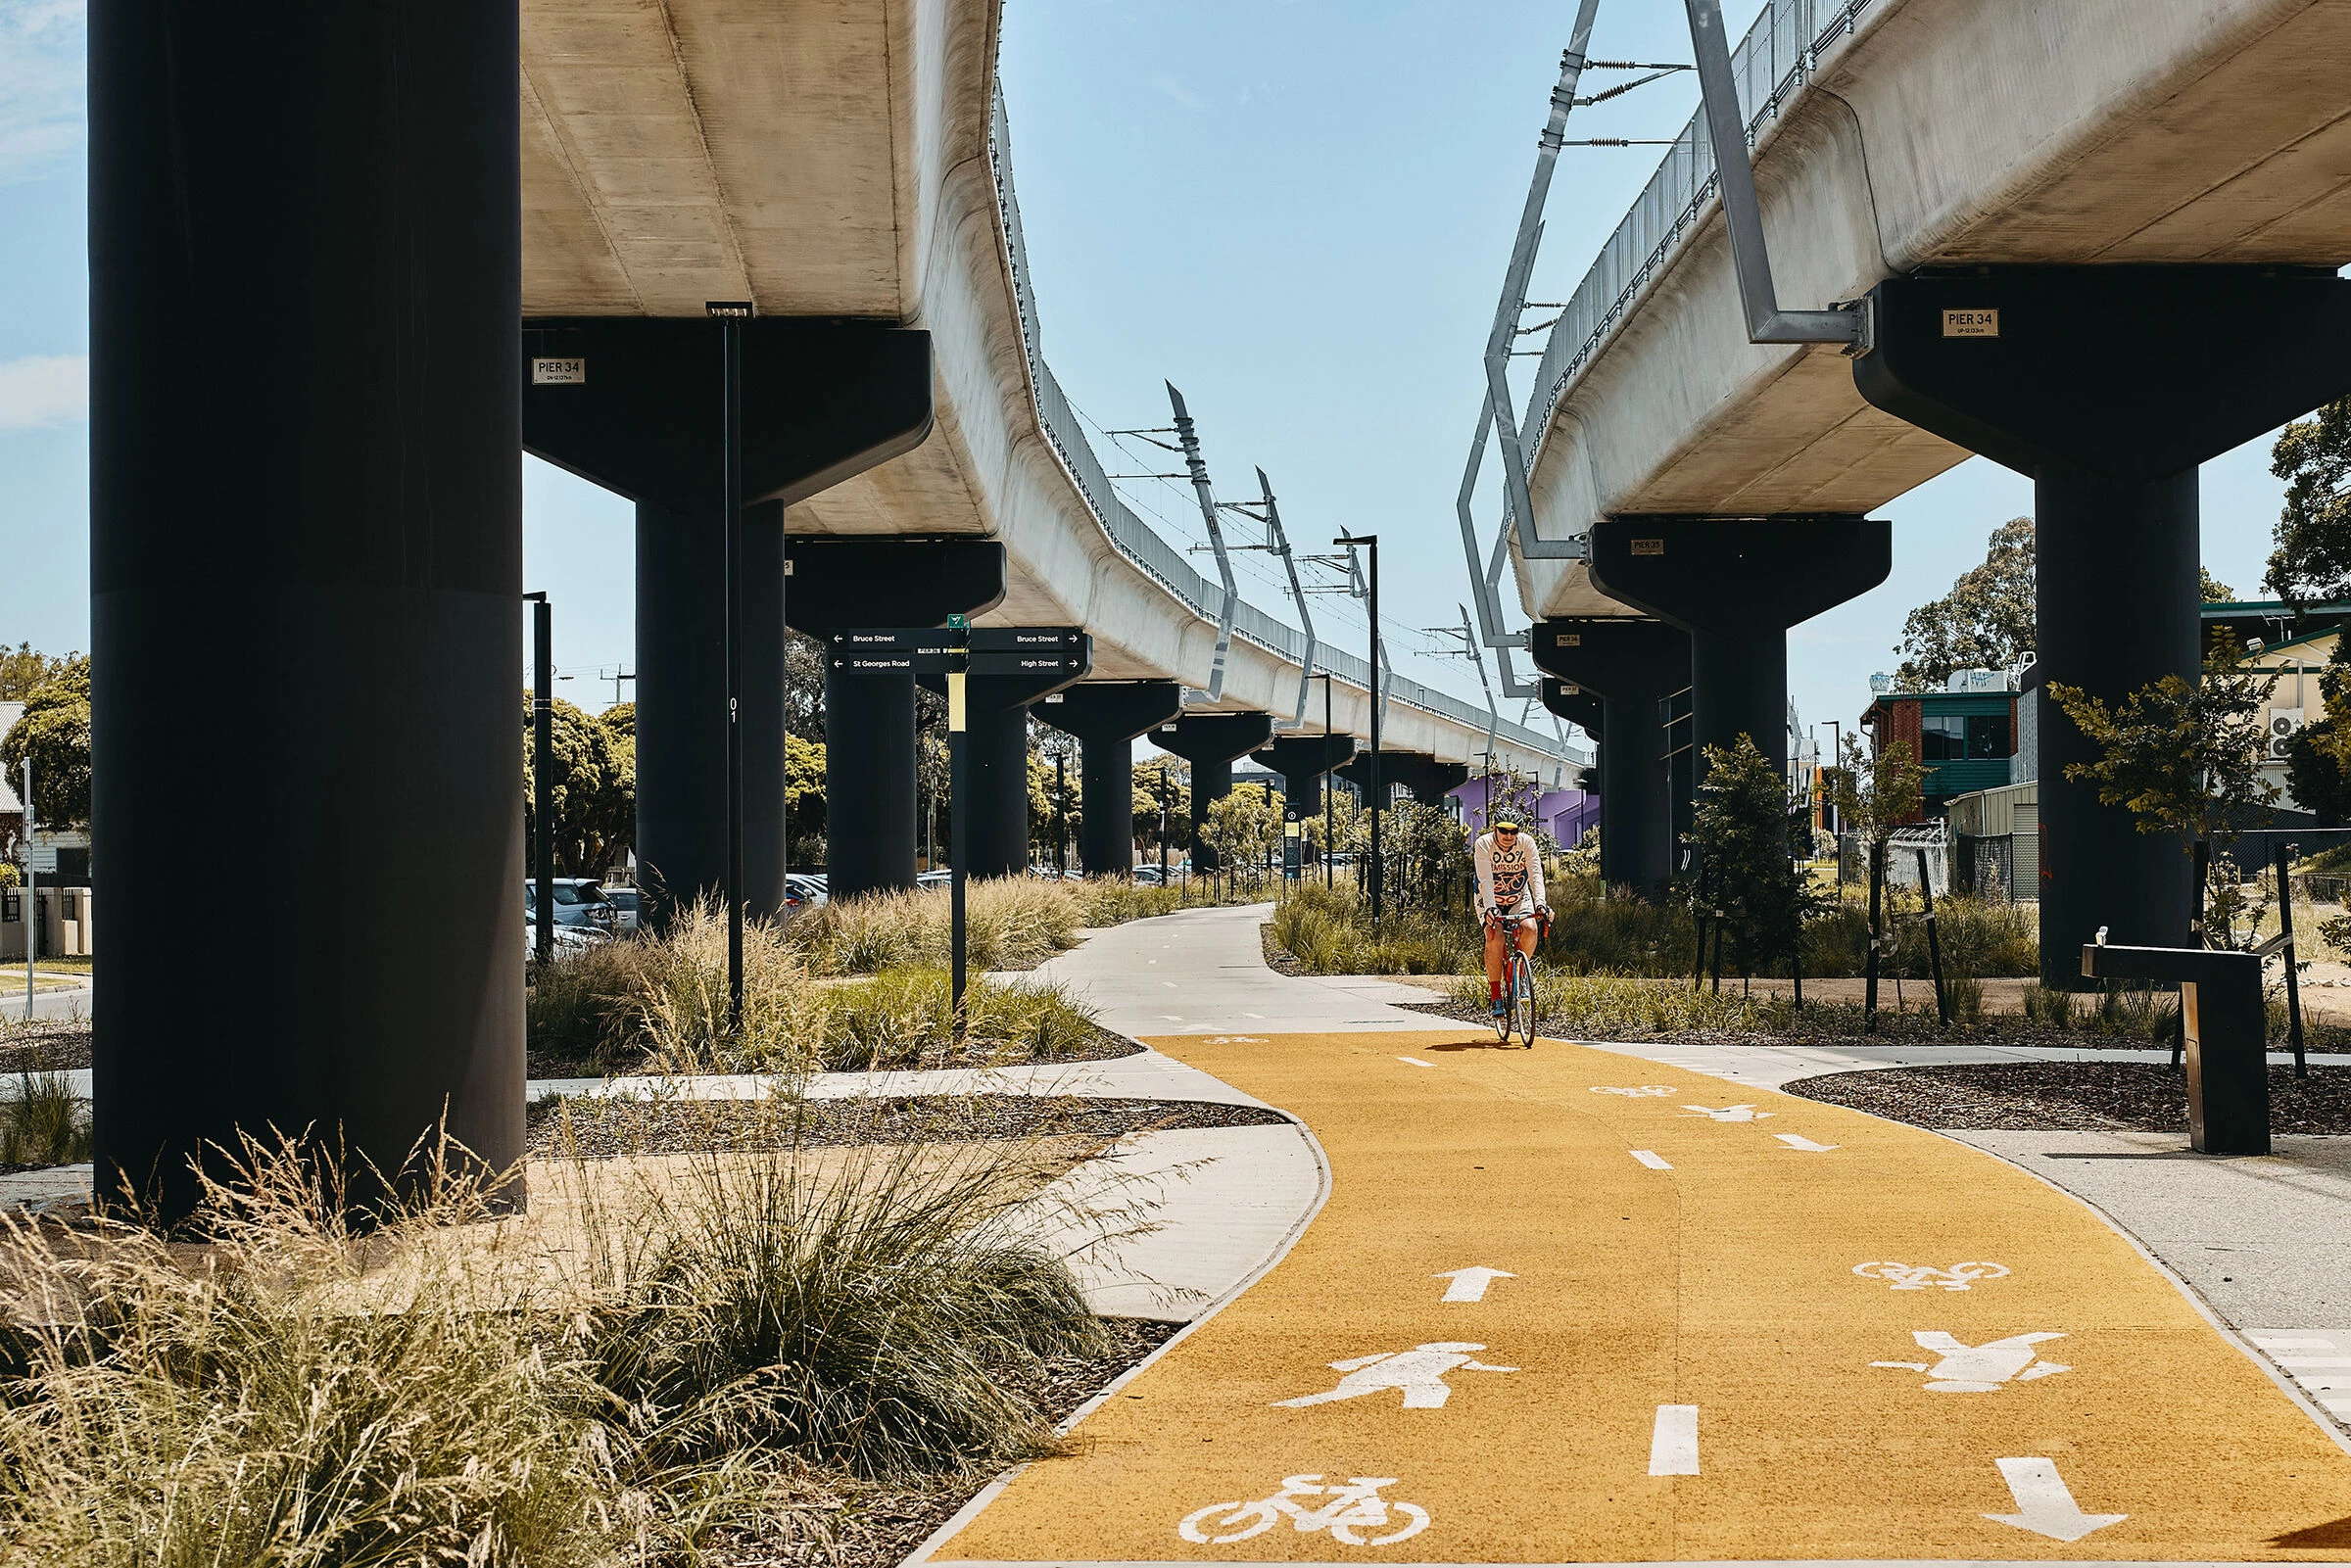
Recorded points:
(1953, 737)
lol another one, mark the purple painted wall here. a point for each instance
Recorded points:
(1564, 814)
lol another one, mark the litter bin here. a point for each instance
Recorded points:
(2227, 1037)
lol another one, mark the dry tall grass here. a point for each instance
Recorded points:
(449, 1387)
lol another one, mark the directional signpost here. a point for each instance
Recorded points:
(958, 651)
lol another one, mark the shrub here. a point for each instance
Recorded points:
(581, 1006)
(1602, 1005)
(2056, 1008)
(1009, 923)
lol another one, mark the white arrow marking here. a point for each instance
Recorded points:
(1416, 1062)
(1470, 1284)
(2043, 1504)
(1737, 1112)
(1798, 1141)
(1673, 1441)
(1649, 1157)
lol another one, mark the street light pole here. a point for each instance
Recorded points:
(543, 748)
(1163, 825)
(1370, 543)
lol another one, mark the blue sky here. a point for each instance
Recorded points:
(1297, 210)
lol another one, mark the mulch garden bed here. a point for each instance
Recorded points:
(2068, 1096)
(45, 1045)
(1101, 1045)
(1280, 960)
(604, 1129)
(882, 1524)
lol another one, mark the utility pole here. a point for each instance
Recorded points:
(1370, 543)
(1329, 837)
(1061, 809)
(543, 755)
(731, 316)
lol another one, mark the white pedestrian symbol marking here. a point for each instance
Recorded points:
(1736, 1112)
(1646, 1091)
(1921, 1276)
(1980, 1368)
(1420, 1372)
(1470, 1284)
(1347, 1512)
(2045, 1504)
(1798, 1141)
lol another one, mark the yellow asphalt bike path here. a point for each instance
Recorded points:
(1726, 1283)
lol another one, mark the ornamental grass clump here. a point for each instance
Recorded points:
(904, 1017)
(1009, 923)
(1330, 932)
(43, 1120)
(860, 1312)
(290, 1393)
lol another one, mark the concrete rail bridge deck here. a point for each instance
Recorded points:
(845, 168)
(2095, 242)
(309, 414)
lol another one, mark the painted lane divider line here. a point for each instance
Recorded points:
(1797, 1141)
(1649, 1157)
(2044, 1504)
(1674, 1443)
(1470, 1284)
(1416, 1062)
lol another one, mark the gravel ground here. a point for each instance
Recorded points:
(1101, 1046)
(877, 1526)
(606, 1129)
(45, 1045)
(2068, 1096)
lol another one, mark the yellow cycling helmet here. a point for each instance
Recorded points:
(1505, 827)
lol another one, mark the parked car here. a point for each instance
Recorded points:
(934, 878)
(628, 908)
(579, 901)
(805, 887)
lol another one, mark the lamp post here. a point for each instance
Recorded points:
(1163, 825)
(543, 748)
(730, 316)
(1370, 543)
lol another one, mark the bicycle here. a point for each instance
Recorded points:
(1351, 1508)
(1518, 985)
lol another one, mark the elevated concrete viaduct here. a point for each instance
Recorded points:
(851, 163)
(2095, 242)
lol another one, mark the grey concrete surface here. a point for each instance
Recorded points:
(2264, 1239)
(1202, 972)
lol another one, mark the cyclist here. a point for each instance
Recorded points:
(1510, 887)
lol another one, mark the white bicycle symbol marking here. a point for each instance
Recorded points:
(1350, 1509)
(1646, 1091)
(1919, 1276)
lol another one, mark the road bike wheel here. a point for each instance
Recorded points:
(1415, 1517)
(1522, 998)
(1223, 1523)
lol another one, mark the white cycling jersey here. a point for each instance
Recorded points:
(1509, 881)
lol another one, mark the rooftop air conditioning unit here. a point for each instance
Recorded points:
(2284, 723)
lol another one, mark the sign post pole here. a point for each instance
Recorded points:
(958, 816)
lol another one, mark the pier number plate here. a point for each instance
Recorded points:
(1971, 324)
(559, 372)
(1648, 546)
